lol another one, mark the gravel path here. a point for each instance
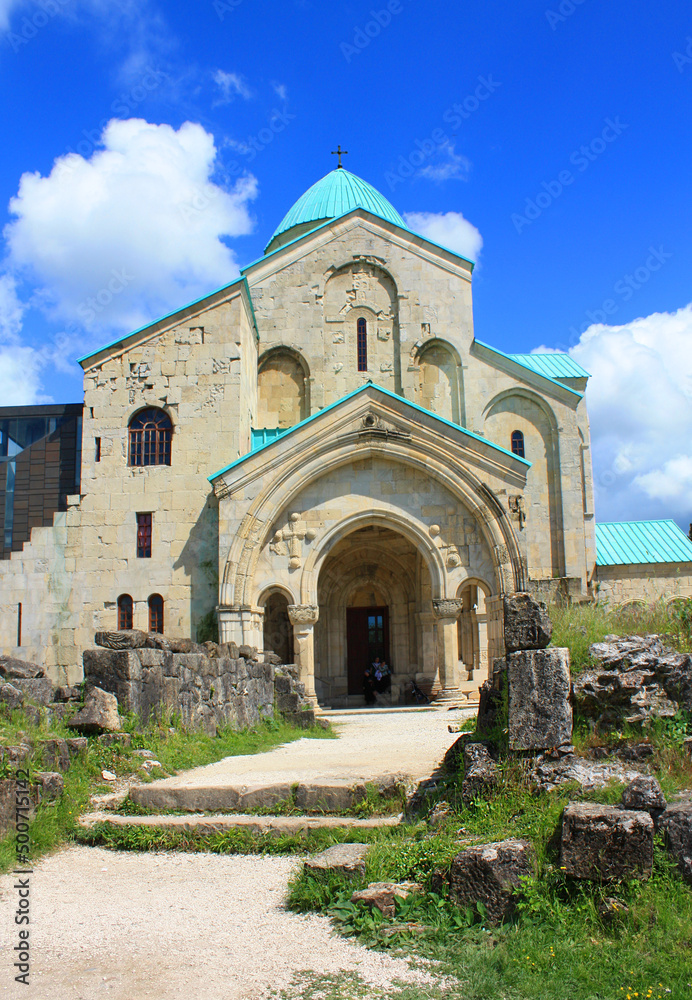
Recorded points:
(369, 746)
(174, 927)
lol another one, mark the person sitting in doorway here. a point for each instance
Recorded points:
(369, 686)
(382, 676)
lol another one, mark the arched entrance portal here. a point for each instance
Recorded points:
(374, 593)
(473, 629)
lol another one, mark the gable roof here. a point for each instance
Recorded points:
(513, 360)
(632, 543)
(363, 388)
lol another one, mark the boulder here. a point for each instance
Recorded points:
(342, 859)
(490, 874)
(527, 623)
(15, 756)
(100, 713)
(676, 825)
(51, 785)
(127, 639)
(490, 709)
(65, 694)
(644, 794)
(11, 696)
(480, 772)
(19, 669)
(39, 690)
(540, 712)
(602, 842)
(56, 754)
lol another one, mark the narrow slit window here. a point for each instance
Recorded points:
(156, 613)
(362, 345)
(518, 444)
(144, 522)
(19, 624)
(125, 612)
(97, 449)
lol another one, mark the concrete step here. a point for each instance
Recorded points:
(204, 825)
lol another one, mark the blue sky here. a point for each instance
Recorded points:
(549, 139)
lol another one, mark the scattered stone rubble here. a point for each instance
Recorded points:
(635, 678)
(341, 859)
(603, 843)
(491, 874)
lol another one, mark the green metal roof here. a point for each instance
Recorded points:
(628, 543)
(515, 358)
(334, 195)
(553, 365)
(386, 392)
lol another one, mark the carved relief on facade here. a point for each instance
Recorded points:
(450, 551)
(288, 541)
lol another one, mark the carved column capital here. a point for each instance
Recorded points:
(303, 614)
(449, 607)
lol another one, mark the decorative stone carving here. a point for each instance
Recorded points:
(338, 337)
(517, 511)
(447, 607)
(289, 541)
(303, 614)
(452, 557)
(383, 333)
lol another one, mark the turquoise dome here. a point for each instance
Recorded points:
(337, 193)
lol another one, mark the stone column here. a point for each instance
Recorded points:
(496, 630)
(303, 618)
(230, 625)
(447, 612)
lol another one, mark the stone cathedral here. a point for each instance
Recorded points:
(321, 459)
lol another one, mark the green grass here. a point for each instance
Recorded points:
(55, 823)
(577, 626)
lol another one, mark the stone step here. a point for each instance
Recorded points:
(204, 825)
(327, 796)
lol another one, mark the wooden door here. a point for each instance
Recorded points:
(367, 636)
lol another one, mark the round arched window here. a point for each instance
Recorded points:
(150, 438)
(125, 612)
(156, 613)
(518, 444)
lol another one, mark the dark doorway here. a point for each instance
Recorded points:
(278, 631)
(367, 636)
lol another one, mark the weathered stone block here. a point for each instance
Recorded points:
(491, 874)
(644, 794)
(527, 623)
(13, 668)
(329, 796)
(480, 772)
(342, 859)
(100, 713)
(676, 825)
(8, 803)
(11, 696)
(39, 689)
(56, 755)
(77, 745)
(51, 785)
(127, 639)
(602, 842)
(540, 713)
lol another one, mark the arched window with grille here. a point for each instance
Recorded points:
(125, 612)
(150, 434)
(156, 613)
(518, 444)
(362, 345)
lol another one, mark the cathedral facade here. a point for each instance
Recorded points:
(319, 458)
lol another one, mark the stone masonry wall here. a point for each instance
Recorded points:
(650, 583)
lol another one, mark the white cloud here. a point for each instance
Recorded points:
(450, 229)
(446, 165)
(230, 85)
(281, 91)
(11, 309)
(640, 406)
(134, 231)
(20, 382)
